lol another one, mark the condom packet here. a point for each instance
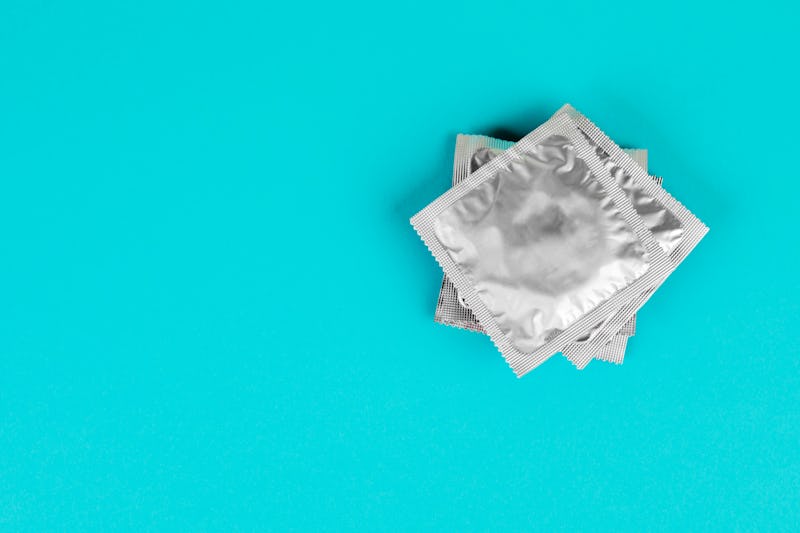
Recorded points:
(542, 243)
(675, 228)
(472, 152)
(614, 351)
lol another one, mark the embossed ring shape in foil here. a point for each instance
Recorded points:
(542, 243)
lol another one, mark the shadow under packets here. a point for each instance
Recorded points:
(505, 134)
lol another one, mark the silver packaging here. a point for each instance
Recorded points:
(542, 244)
(614, 351)
(472, 152)
(675, 228)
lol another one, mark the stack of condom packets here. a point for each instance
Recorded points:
(552, 244)
(471, 152)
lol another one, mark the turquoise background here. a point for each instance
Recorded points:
(215, 315)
